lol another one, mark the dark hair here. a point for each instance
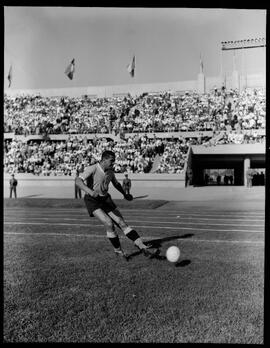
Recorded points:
(107, 154)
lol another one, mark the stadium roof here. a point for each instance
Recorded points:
(229, 149)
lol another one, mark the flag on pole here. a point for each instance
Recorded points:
(131, 67)
(9, 77)
(201, 64)
(70, 69)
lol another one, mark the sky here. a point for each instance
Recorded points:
(40, 42)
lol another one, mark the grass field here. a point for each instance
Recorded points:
(63, 283)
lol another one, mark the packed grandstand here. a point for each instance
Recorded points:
(150, 132)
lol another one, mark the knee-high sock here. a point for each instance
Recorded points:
(114, 239)
(133, 235)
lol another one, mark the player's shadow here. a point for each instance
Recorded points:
(29, 196)
(182, 263)
(157, 243)
(156, 257)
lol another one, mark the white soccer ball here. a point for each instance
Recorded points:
(173, 254)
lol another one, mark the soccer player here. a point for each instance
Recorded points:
(94, 181)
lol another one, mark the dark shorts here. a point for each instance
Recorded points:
(104, 203)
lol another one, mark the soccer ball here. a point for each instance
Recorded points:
(173, 253)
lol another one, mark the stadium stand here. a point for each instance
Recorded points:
(50, 135)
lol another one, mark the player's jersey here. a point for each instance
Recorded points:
(98, 180)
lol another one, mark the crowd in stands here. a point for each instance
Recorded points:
(217, 110)
(234, 118)
(233, 137)
(136, 155)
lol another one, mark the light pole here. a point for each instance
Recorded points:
(242, 44)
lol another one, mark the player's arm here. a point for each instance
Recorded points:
(79, 181)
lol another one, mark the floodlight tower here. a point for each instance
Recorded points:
(239, 45)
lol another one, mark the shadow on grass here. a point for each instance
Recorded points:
(31, 196)
(157, 243)
(182, 263)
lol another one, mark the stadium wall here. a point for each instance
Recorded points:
(179, 87)
(164, 180)
(161, 135)
(33, 186)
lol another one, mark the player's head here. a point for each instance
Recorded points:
(108, 159)
(107, 154)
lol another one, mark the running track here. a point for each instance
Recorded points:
(199, 225)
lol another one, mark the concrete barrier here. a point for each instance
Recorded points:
(63, 186)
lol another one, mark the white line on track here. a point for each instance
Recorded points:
(155, 222)
(122, 237)
(178, 220)
(145, 226)
(181, 216)
(145, 211)
(222, 219)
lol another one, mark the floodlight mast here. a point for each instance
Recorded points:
(240, 45)
(243, 44)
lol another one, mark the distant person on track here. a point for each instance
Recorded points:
(78, 191)
(249, 176)
(126, 184)
(13, 182)
(206, 179)
(188, 178)
(261, 178)
(94, 181)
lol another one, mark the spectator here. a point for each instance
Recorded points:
(261, 179)
(78, 191)
(249, 176)
(126, 184)
(206, 179)
(13, 182)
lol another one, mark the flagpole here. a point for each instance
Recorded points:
(135, 65)
(10, 73)
(19, 65)
(135, 71)
(131, 67)
(221, 67)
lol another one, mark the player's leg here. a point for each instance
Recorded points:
(131, 233)
(110, 230)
